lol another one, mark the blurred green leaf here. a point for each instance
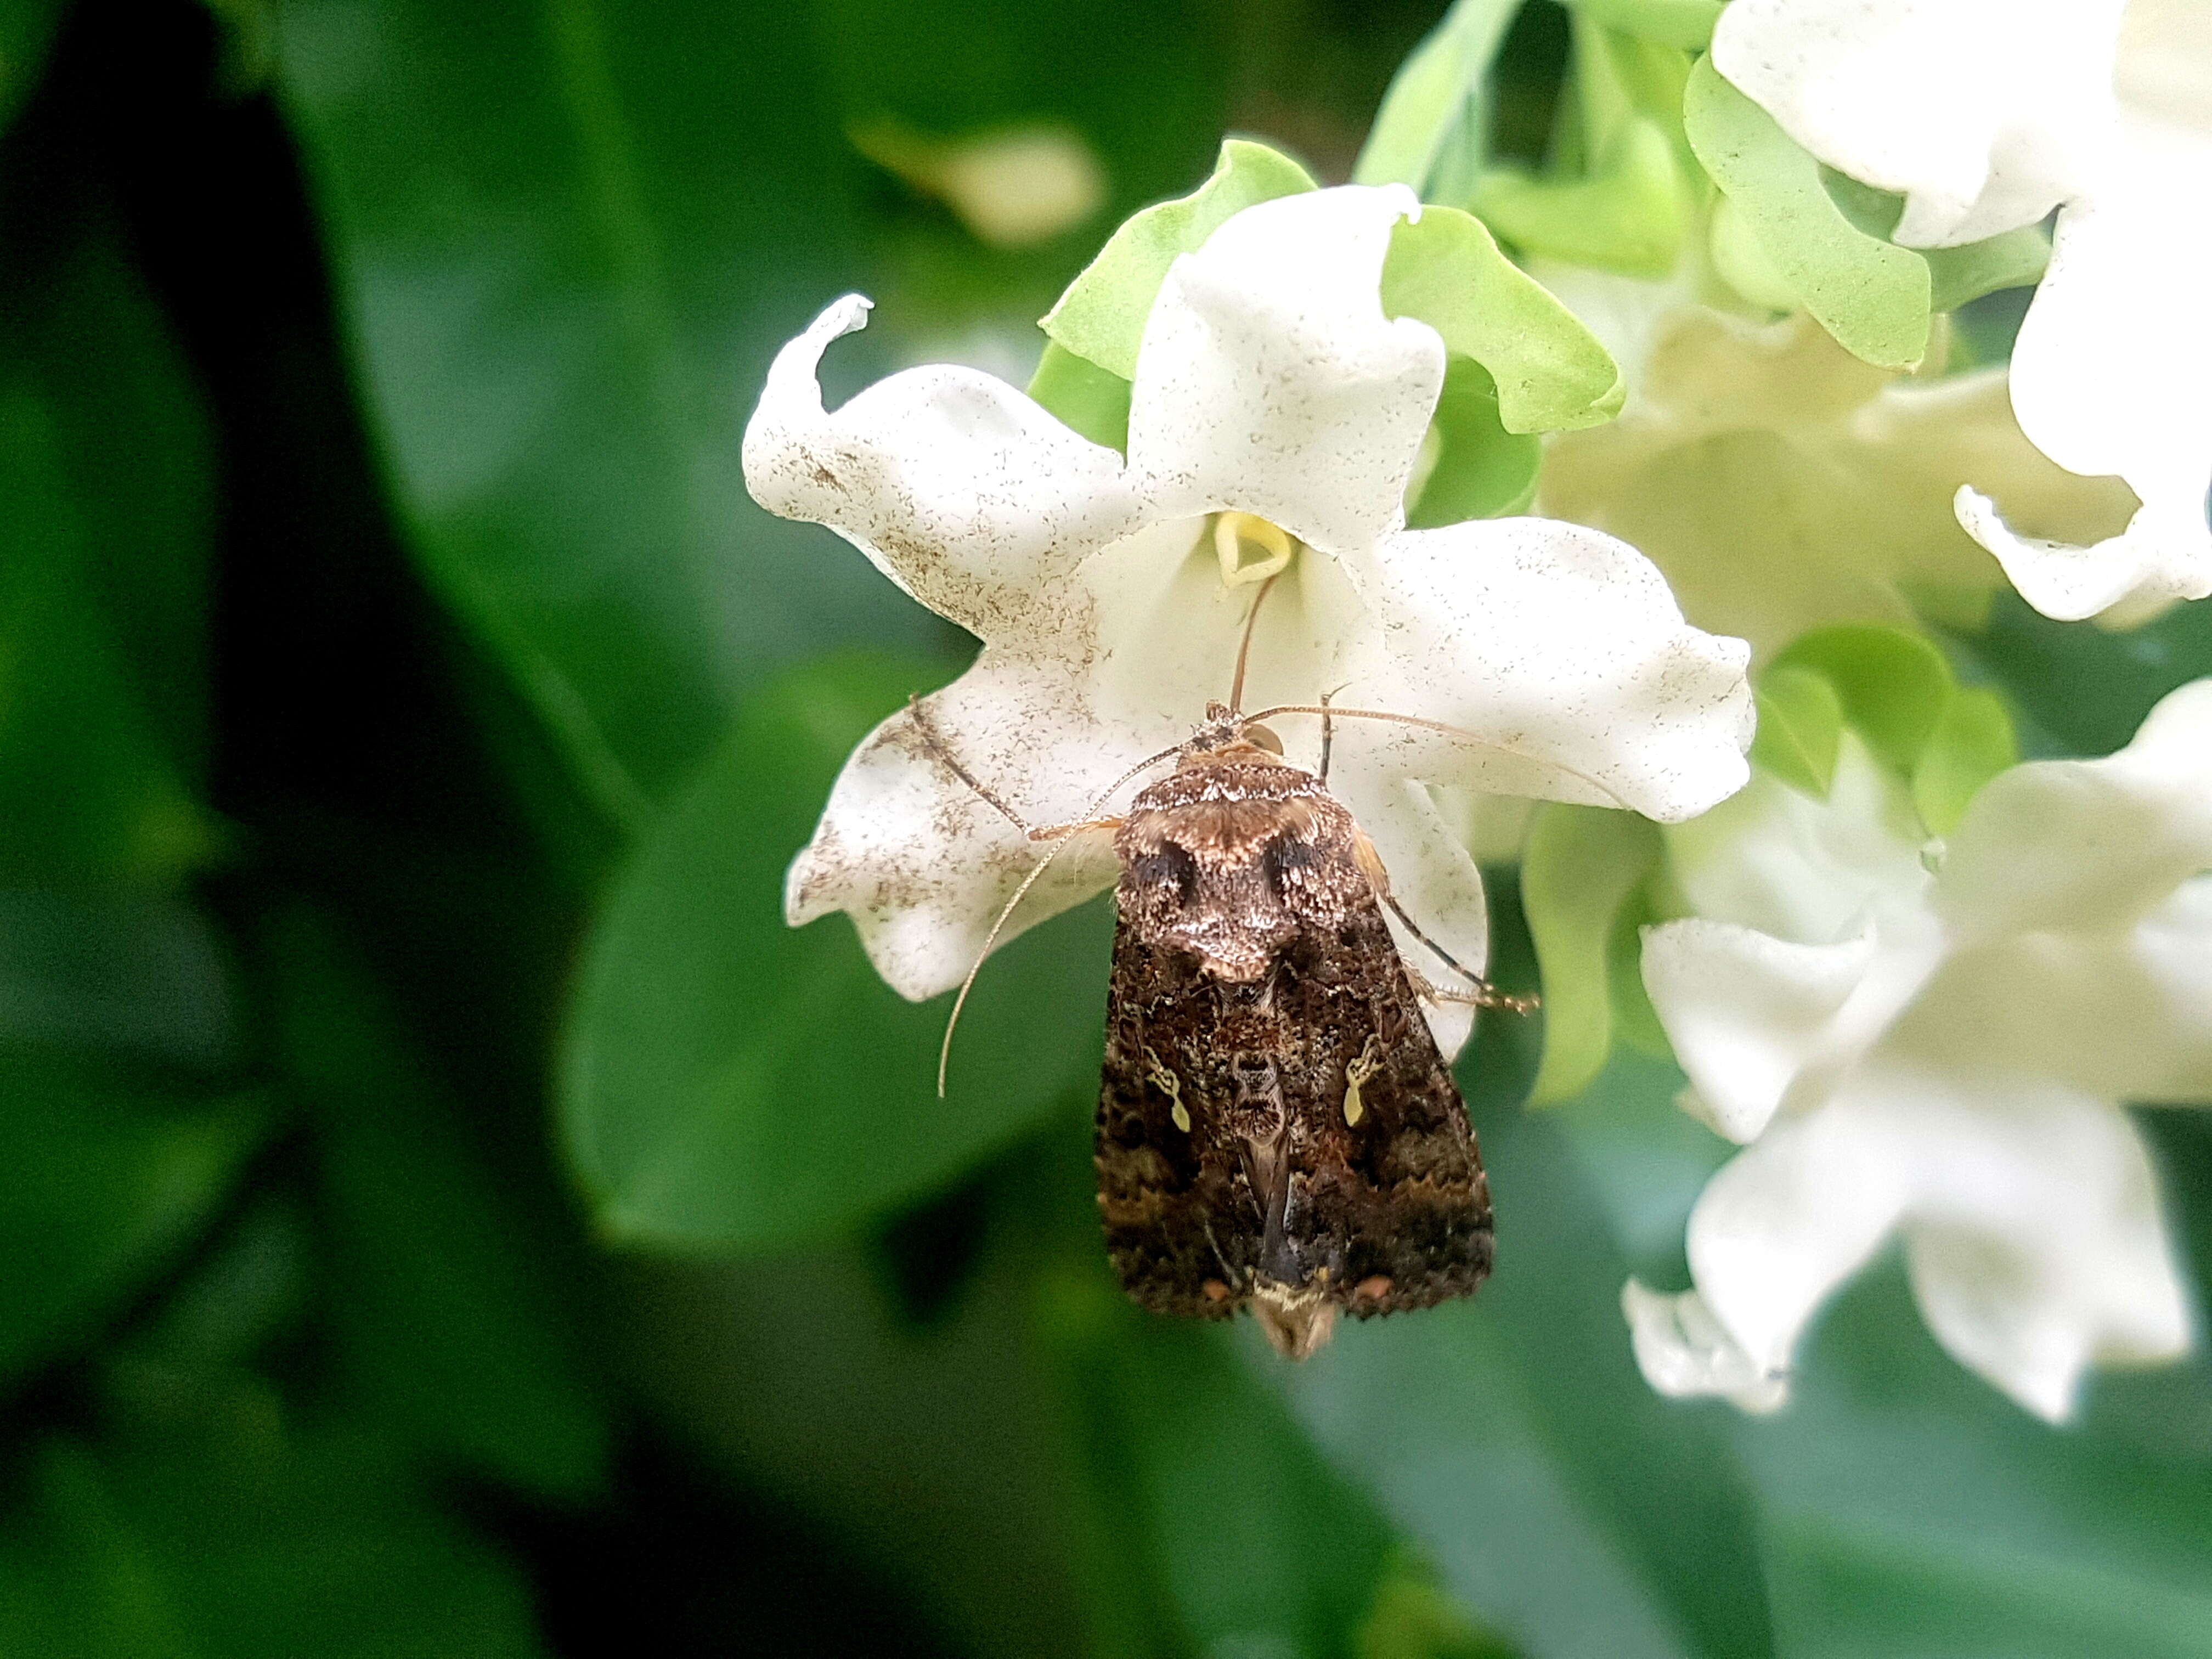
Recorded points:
(232, 1544)
(1687, 24)
(733, 1083)
(119, 971)
(1481, 470)
(1972, 743)
(103, 554)
(1627, 213)
(1893, 686)
(462, 1321)
(26, 29)
(1102, 316)
(107, 1178)
(1263, 1547)
(1580, 867)
(1551, 373)
(1432, 129)
(1513, 1438)
(1871, 295)
(1800, 726)
(566, 243)
(2084, 689)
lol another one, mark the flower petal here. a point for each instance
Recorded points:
(1791, 1217)
(2087, 845)
(959, 488)
(1560, 653)
(2123, 1015)
(1432, 876)
(1683, 1350)
(1270, 381)
(1983, 123)
(2034, 1239)
(922, 862)
(1745, 1012)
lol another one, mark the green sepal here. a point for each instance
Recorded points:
(1581, 868)
(1893, 686)
(1102, 316)
(1872, 296)
(1627, 214)
(1433, 120)
(1801, 727)
(1481, 470)
(1552, 374)
(1687, 24)
(1088, 399)
(1973, 743)
(2015, 259)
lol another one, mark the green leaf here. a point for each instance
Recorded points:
(107, 1180)
(1893, 686)
(115, 971)
(460, 1318)
(1434, 116)
(1513, 1438)
(1800, 726)
(1972, 743)
(1872, 296)
(1550, 372)
(1261, 1547)
(1627, 214)
(567, 242)
(2014, 259)
(1102, 316)
(733, 1083)
(229, 1544)
(1087, 399)
(27, 29)
(1580, 865)
(1687, 24)
(1481, 470)
(2084, 690)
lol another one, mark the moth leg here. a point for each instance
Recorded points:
(941, 752)
(1484, 995)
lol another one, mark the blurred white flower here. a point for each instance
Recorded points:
(1782, 484)
(1275, 418)
(1985, 116)
(1942, 1054)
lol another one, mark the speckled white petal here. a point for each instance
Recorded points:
(2125, 579)
(1984, 114)
(1685, 1351)
(2034, 1240)
(2119, 1014)
(959, 488)
(1789, 1220)
(1746, 1012)
(1562, 654)
(921, 862)
(1802, 868)
(1270, 381)
(2087, 845)
(1434, 879)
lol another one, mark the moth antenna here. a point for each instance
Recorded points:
(1244, 645)
(952, 1020)
(1329, 711)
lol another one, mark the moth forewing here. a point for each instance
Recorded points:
(1276, 1129)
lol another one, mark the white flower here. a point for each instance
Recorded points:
(1941, 1055)
(1781, 484)
(1985, 115)
(1275, 419)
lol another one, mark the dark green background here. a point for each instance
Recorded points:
(443, 1212)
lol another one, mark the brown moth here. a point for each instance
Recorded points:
(1276, 1128)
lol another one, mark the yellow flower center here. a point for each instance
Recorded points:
(1250, 548)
